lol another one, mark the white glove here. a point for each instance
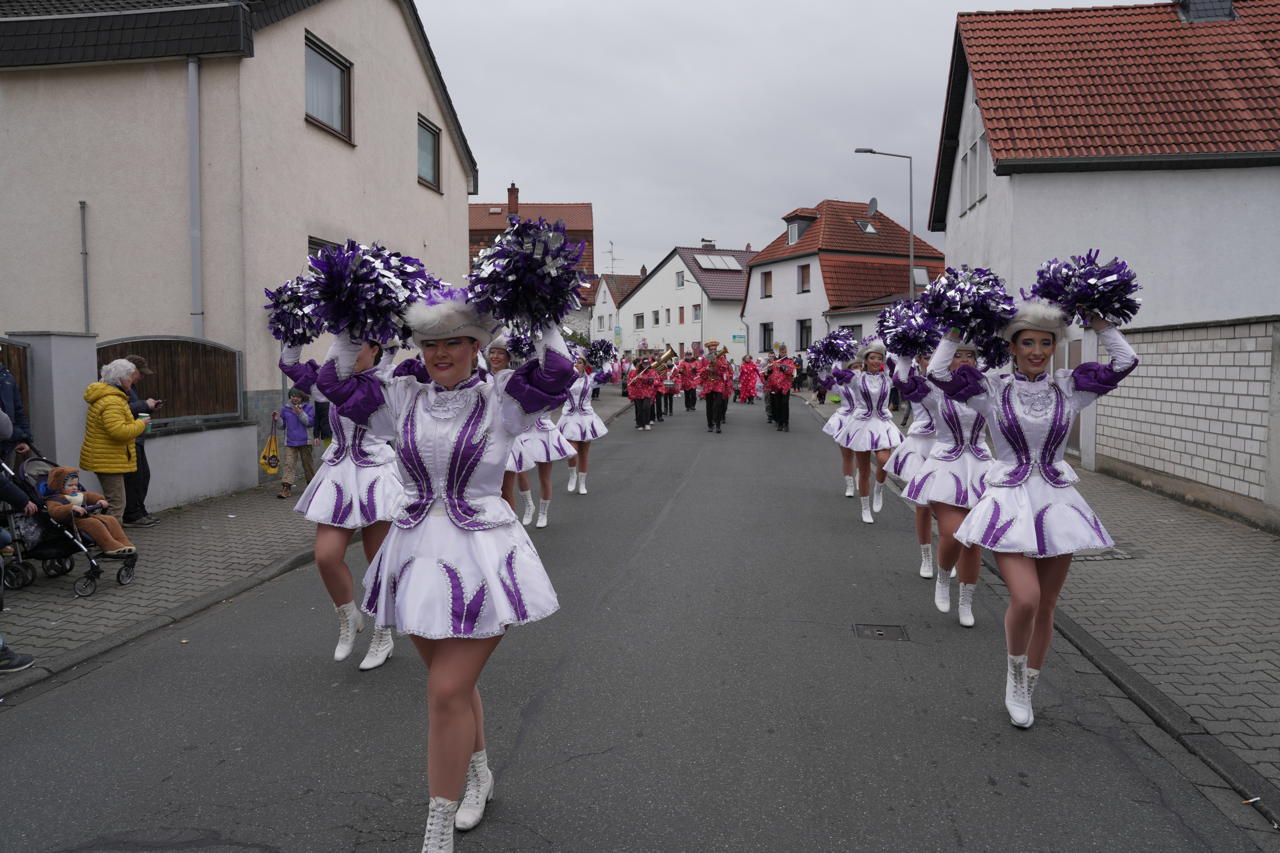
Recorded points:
(550, 339)
(290, 355)
(344, 351)
(902, 368)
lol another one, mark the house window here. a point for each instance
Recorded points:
(804, 333)
(984, 166)
(766, 285)
(680, 315)
(793, 232)
(697, 313)
(802, 279)
(610, 321)
(328, 88)
(639, 321)
(428, 154)
(973, 174)
(655, 316)
(856, 328)
(964, 184)
(679, 279)
(766, 337)
(600, 323)
(668, 310)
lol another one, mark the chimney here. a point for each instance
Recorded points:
(748, 249)
(644, 271)
(1197, 11)
(513, 199)
(708, 245)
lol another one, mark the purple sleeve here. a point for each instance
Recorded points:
(914, 388)
(965, 383)
(599, 377)
(357, 397)
(826, 383)
(1098, 378)
(303, 374)
(412, 367)
(540, 386)
(842, 376)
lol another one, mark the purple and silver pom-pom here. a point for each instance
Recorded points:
(520, 344)
(836, 347)
(362, 291)
(292, 319)
(992, 353)
(600, 353)
(973, 301)
(529, 275)
(907, 330)
(1082, 287)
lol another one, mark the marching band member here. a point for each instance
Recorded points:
(870, 429)
(907, 457)
(716, 382)
(685, 374)
(642, 389)
(579, 423)
(748, 380)
(779, 376)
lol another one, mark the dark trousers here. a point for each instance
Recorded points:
(136, 484)
(644, 412)
(768, 406)
(715, 405)
(669, 401)
(780, 406)
(691, 399)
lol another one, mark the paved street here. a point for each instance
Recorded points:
(703, 688)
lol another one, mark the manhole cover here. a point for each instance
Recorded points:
(880, 632)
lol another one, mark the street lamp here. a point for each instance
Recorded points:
(911, 217)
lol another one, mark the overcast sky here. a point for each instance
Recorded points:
(683, 119)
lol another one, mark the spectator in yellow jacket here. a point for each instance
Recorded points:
(109, 431)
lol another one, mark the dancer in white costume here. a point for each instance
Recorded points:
(870, 429)
(579, 423)
(457, 569)
(950, 481)
(907, 457)
(498, 357)
(540, 446)
(842, 382)
(357, 488)
(1031, 515)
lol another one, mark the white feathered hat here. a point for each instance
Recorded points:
(501, 340)
(446, 313)
(1036, 314)
(873, 345)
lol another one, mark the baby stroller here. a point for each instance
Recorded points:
(56, 545)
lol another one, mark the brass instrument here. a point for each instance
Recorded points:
(666, 356)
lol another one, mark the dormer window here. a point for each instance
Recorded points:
(866, 226)
(793, 232)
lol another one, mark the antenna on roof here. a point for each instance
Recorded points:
(873, 207)
(613, 260)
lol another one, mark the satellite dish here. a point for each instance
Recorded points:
(872, 207)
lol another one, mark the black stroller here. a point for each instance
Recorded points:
(40, 537)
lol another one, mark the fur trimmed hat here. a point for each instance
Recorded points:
(448, 314)
(873, 345)
(1036, 314)
(501, 341)
(58, 477)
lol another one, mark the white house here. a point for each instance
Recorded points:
(605, 319)
(167, 162)
(690, 297)
(834, 265)
(1178, 174)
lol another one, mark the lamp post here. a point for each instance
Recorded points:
(911, 218)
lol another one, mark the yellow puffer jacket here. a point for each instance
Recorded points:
(109, 431)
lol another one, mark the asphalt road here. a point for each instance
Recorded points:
(703, 688)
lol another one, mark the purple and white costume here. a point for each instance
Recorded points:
(907, 457)
(541, 442)
(955, 467)
(1030, 506)
(358, 482)
(870, 426)
(578, 420)
(842, 383)
(456, 563)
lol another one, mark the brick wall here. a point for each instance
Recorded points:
(1198, 406)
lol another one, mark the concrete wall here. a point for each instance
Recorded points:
(786, 306)
(191, 466)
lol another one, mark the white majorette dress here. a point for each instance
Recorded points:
(1030, 506)
(456, 563)
(358, 481)
(955, 469)
(924, 398)
(541, 442)
(870, 426)
(842, 384)
(578, 420)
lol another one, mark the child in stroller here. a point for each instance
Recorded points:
(67, 502)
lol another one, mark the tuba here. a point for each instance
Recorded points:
(666, 356)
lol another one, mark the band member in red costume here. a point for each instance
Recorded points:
(778, 377)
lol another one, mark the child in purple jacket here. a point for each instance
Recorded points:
(297, 417)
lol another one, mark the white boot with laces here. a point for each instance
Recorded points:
(380, 648)
(350, 623)
(582, 484)
(478, 793)
(850, 484)
(942, 592)
(543, 508)
(573, 480)
(867, 517)
(926, 561)
(966, 604)
(1017, 694)
(527, 497)
(877, 496)
(440, 816)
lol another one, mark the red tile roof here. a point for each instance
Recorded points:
(620, 286)
(717, 283)
(1105, 87)
(851, 281)
(576, 216)
(836, 230)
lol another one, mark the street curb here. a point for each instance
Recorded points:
(73, 658)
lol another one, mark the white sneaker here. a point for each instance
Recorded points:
(648, 427)
(867, 517)
(926, 561)
(1017, 697)
(573, 480)
(582, 484)
(966, 604)
(478, 793)
(440, 817)
(528, 508)
(850, 486)
(543, 506)
(350, 623)
(877, 497)
(380, 648)
(942, 592)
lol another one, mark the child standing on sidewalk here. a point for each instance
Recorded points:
(297, 417)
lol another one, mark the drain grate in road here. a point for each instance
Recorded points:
(881, 632)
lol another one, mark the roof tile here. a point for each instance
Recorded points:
(576, 216)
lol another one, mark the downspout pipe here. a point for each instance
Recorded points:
(84, 259)
(193, 196)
